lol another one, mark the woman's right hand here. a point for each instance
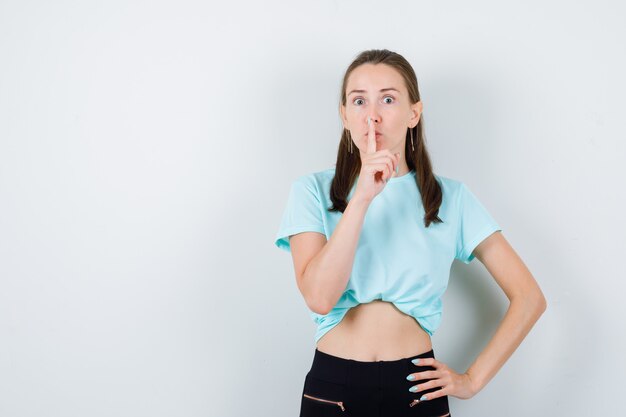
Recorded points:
(376, 168)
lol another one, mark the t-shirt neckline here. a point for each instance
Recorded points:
(408, 175)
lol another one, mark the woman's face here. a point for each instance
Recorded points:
(378, 91)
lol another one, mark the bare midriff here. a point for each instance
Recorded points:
(375, 331)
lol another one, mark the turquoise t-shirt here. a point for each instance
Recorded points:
(397, 259)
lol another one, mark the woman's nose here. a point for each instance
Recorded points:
(374, 119)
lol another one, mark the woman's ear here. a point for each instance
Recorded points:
(416, 109)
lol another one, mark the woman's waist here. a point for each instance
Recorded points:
(375, 331)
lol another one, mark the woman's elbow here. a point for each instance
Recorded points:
(539, 300)
(537, 303)
(542, 303)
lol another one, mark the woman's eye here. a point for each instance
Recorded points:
(357, 99)
(388, 97)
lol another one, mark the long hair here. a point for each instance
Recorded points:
(348, 164)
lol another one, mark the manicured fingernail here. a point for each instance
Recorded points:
(397, 168)
(424, 398)
(410, 377)
(368, 121)
(415, 361)
(413, 389)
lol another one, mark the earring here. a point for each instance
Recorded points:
(411, 131)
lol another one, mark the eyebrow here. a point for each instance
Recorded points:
(364, 91)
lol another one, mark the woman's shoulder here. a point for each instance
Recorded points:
(450, 187)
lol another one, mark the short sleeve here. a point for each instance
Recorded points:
(303, 212)
(475, 224)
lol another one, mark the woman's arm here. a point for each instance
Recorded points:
(323, 268)
(527, 304)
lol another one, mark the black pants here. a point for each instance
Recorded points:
(345, 387)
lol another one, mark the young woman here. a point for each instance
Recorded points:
(373, 240)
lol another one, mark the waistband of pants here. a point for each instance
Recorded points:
(365, 373)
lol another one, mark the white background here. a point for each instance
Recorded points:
(146, 153)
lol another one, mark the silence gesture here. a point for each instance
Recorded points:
(376, 167)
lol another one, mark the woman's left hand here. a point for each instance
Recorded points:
(451, 383)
